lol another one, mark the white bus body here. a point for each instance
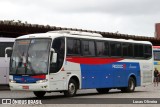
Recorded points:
(156, 52)
(122, 69)
(4, 64)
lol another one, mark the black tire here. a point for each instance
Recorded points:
(102, 90)
(131, 85)
(72, 88)
(39, 94)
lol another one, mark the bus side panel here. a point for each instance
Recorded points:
(3, 75)
(109, 75)
(4, 71)
(133, 69)
(96, 76)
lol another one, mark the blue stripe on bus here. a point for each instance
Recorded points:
(155, 63)
(109, 75)
(25, 79)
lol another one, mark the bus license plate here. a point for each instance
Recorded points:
(25, 87)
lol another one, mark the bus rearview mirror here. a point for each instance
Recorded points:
(6, 55)
(54, 58)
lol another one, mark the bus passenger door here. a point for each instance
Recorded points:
(56, 81)
(57, 74)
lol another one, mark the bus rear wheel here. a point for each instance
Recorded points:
(102, 90)
(39, 94)
(72, 89)
(131, 86)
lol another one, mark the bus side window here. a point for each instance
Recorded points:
(3, 46)
(102, 48)
(73, 46)
(148, 51)
(138, 50)
(115, 48)
(127, 49)
(88, 48)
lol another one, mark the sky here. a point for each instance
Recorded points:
(133, 17)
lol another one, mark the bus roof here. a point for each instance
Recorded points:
(4, 39)
(78, 34)
(156, 46)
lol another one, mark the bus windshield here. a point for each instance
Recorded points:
(157, 55)
(30, 57)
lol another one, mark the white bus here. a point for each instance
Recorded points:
(156, 52)
(4, 64)
(64, 61)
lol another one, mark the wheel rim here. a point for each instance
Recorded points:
(72, 88)
(131, 85)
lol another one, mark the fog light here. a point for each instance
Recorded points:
(12, 81)
(41, 81)
(43, 86)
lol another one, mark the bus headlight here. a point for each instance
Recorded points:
(41, 81)
(12, 81)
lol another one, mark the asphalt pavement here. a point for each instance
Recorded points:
(147, 96)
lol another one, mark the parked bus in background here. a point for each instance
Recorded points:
(4, 64)
(156, 52)
(65, 61)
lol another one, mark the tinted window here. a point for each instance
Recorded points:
(88, 48)
(102, 48)
(147, 51)
(3, 46)
(73, 46)
(127, 50)
(138, 50)
(115, 48)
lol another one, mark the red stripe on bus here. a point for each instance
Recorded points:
(39, 76)
(83, 60)
(156, 46)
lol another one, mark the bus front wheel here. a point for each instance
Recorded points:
(39, 94)
(72, 89)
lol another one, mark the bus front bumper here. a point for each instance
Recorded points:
(30, 87)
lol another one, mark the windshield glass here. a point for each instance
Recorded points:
(30, 57)
(156, 55)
